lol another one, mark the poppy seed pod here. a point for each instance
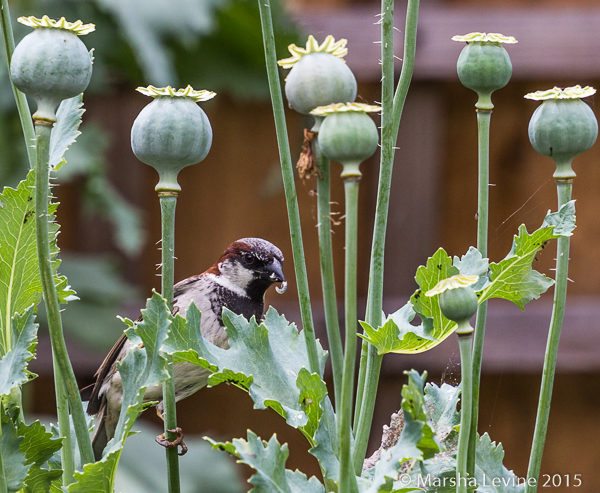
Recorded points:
(318, 76)
(172, 132)
(51, 64)
(348, 135)
(458, 304)
(484, 65)
(458, 301)
(563, 126)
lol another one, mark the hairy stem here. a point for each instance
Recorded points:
(168, 202)
(20, 99)
(390, 122)
(558, 312)
(61, 357)
(347, 471)
(464, 342)
(328, 280)
(289, 186)
(483, 128)
(62, 410)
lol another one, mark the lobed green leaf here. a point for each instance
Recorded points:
(326, 443)
(512, 278)
(269, 360)
(151, 332)
(491, 475)
(39, 446)
(142, 367)
(473, 263)
(398, 335)
(438, 267)
(14, 461)
(66, 129)
(441, 405)
(13, 365)
(20, 283)
(417, 441)
(268, 460)
(97, 477)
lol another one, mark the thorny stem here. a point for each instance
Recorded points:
(328, 280)
(21, 100)
(347, 476)
(390, 122)
(168, 202)
(289, 186)
(64, 425)
(483, 127)
(464, 342)
(61, 357)
(558, 312)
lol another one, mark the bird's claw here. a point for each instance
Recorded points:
(162, 440)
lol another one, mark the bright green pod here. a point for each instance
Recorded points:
(458, 301)
(51, 64)
(458, 304)
(348, 135)
(563, 126)
(484, 65)
(318, 75)
(172, 132)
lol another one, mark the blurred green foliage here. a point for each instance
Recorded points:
(212, 44)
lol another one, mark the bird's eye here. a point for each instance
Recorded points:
(248, 258)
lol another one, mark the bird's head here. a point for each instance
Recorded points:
(253, 265)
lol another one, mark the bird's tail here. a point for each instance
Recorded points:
(100, 438)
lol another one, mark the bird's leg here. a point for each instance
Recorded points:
(162, 439)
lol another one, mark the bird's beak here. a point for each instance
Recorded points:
(275, 274)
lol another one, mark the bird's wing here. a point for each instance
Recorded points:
(182, 286)
(106, 367)
(109, 364)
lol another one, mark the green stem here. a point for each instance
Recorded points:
(59, 348)
(390, 122)
(464, 342)
(483, 132)
(362, 376)
(62, 410)
(558, 311)
(168, 202)
(21, 100)
(288, 184)
(328, 280)
(3, 485)
(483, 128)
(347, 471)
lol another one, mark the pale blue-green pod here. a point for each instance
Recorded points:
(484, 65)
(348, 135)
(319, 79)
(318, 76)
(563, 126)
(51, 64)
(172, 132)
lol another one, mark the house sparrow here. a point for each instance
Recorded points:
(238, 281)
